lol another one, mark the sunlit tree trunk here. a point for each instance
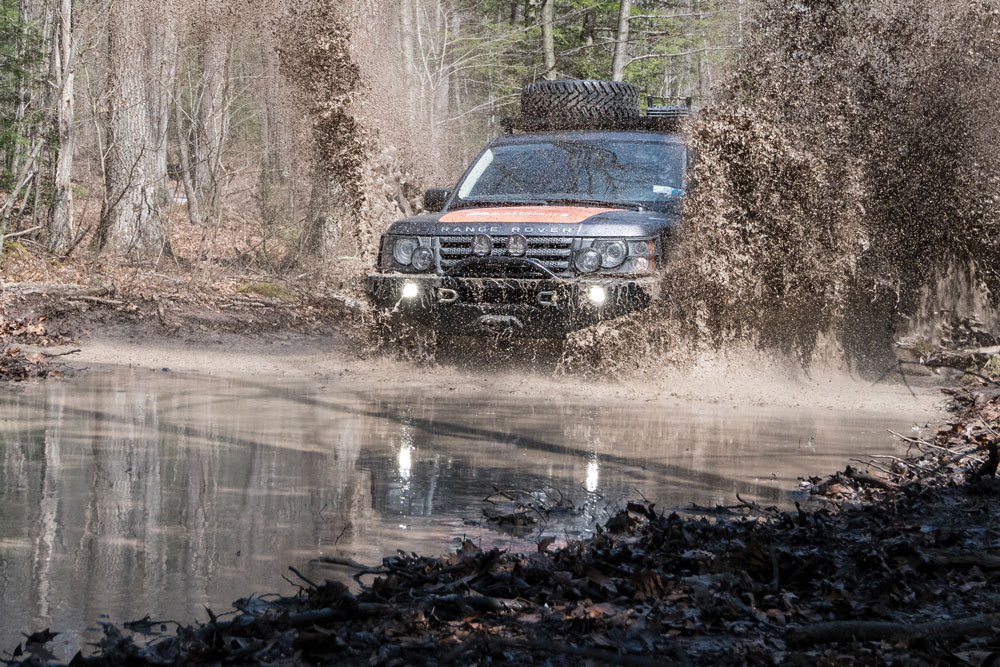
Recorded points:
(130, 221)
(61, 209)
(548, 40)
(620, 59)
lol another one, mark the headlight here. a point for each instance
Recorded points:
(422, 259)
(613, 253)
(402, 250)
(588, 260)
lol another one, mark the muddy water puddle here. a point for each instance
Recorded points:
(132, 492)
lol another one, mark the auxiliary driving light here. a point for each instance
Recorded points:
(422, 259)
(517, 245)
(482, 245)
(598, 295)
(410, 290)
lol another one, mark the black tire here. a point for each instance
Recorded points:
(573, 99)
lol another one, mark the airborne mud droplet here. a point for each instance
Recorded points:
(850, 166)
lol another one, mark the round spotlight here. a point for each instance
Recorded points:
(422, 259)
(517, 245)
(410, 290)
(482, 245)
(588, 260)
(598, 295)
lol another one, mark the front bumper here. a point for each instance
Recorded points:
(537, 308)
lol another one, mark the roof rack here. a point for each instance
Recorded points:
(660, 122)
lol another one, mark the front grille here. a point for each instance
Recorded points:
(553, 253)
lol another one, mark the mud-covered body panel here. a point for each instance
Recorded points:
(618, 223)
(516, 266)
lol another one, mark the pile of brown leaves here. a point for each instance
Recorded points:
(16, 364)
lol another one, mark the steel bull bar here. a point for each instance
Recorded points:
(534, 303)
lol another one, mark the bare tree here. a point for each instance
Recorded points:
(212, 116)
(161, 54)
(61, 210)
(130, 221)
(620, 59)
(548, 39)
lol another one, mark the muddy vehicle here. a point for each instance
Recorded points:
(561, 222)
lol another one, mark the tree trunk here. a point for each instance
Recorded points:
(162, 67)
(211, 127)
(184, 147)
(130, 221)
(620, 59)
(409, 62)
(321, 231)
(61, 210)
(274, 169)
(548, 41)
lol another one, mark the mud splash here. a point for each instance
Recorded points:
(362, 182)
(847, 179)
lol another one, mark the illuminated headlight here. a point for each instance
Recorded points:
(613, 253)
(402, 250)
(598, 295)
(422, 259)
(588, 260)
(410, 290)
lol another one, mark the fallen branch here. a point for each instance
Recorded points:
(97, 299)
(480, 603)
(22, 233)
(61, 354)
(598, 655)
(866, 631)
(945, 558)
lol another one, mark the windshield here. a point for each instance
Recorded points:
(643, 173)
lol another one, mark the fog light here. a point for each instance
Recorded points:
(422, 259)
(410, 290)
(598, 295)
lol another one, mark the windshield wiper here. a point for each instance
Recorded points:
(568, 201)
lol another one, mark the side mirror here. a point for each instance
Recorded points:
(436, 198)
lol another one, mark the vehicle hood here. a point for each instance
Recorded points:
(584, 221)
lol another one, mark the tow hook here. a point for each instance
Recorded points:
(446, 295)
(546, 298)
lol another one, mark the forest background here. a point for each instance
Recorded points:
(218, 140)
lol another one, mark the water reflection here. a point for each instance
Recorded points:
(127, 493)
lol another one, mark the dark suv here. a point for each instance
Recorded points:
(560, 223)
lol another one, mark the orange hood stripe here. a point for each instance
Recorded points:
(526, 214)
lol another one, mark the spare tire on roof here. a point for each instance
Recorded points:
(574, 99)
